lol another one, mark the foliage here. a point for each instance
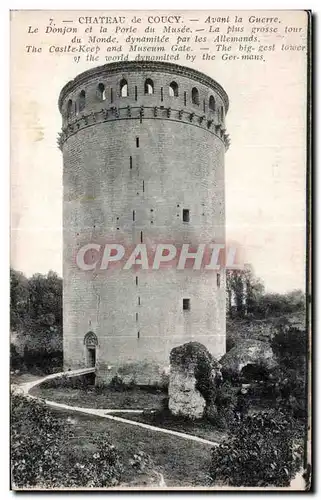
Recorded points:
(226, 402)
(36, 321)
(258, 452)
(288, 381)
(246, 297)
(243, 291)
(39, 451)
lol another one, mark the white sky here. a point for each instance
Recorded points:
(265, 165)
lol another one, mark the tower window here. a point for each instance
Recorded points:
(123, 88)
(211, 103)
(101, 92)
(195, 96)
(82, 100)
(135, 93)
(136, 280)
(141, 236)
(149, 86)
(111, 95)
(218, 280)
(185, 215)
(69, 108)
(222, 114)
(138, 335)
(136, 316)
(137, 142)
(173, 89)
(186, 304)
(134, 215)
(139, 301)
(130, 162)
(143, 186)
(162, 94)
(185, 96)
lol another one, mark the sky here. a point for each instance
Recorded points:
(265, 166)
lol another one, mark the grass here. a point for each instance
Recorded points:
(90, 397)
(183, 463)
(163, 418)
(134, 398)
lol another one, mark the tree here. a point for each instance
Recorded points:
(244, 290)
(36, 319)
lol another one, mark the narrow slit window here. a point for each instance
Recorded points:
(130, 162)
(137, 142)
(185, 98)
(141, 236)
(69, 108)
(204, 105)
(143, 186)
(218, 280)
(136, 316)
(139, 301)
(138, 335)
(162, 94)
(111, 95)
(136, 280)
(186, 215)
(134, 215)
(82, 100)
(135, 92)
(186, 304)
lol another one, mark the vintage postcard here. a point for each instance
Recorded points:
(160, 334)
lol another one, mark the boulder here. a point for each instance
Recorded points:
(248, 352)
(193, 379)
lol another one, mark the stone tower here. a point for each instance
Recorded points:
(143, 149)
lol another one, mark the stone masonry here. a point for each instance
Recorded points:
(141, 142)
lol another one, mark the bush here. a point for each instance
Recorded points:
(41, 457)
(258, 452)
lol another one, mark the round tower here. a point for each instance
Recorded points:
(143, 149)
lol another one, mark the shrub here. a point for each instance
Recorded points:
(41, 455)
(258, 452)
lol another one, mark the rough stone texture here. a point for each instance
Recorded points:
(247, 352)
(137, 315)
(192, 381)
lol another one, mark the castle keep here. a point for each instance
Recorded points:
(143, 148)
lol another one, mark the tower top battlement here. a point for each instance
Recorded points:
(111, 69)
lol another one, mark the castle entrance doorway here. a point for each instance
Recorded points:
(91, 343)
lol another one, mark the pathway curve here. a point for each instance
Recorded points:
(105, 413)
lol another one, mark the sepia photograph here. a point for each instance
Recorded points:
(160, 325)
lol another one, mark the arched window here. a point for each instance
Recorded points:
(211, 103)
(123, 88)
(101, 92)
(69, 108)
(149, 86)
(82, 101)
(173, 89)
(195, 96)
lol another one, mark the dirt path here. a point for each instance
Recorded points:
(106, 413)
